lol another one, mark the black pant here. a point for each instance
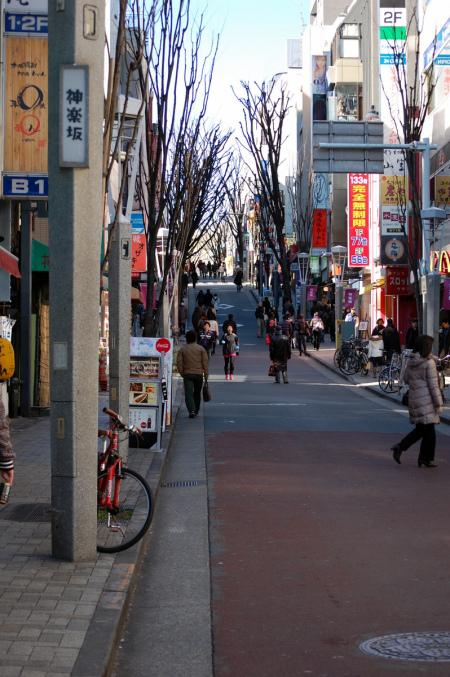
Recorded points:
(427, 433)
(193, 392)
(229, 364)
(317, 337)
(301, 338)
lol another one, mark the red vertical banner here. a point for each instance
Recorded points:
(446, 299)
(138, 254)
(319, 229)
(358, 220)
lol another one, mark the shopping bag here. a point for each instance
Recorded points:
(271, 371)
(206, 392)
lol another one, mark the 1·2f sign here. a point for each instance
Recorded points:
(73, 120)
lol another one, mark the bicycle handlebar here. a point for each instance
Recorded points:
(118, 419)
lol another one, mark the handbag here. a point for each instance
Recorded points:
(206, 392)
(405, 398)
(271, 371)
(267, 339)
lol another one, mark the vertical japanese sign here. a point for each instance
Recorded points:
(358, 220)
(319, 229)
(138, 253)
(26, 105)
(74, 117)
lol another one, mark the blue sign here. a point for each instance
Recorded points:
(26, 23)
(137, 222)
(392, 59)
(25, 185)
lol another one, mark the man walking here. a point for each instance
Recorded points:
(280, 353)
(192, 364)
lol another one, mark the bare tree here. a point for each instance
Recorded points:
(236, 189)
(415, 88)
(175, 107)
(265, 108)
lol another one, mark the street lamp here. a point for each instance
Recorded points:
(339, 254)
(303, 273)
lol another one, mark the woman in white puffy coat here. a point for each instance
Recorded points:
(424, 403)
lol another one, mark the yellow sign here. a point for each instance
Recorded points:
(26, 105)
(442, 190)
(394, 190)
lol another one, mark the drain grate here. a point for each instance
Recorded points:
(26, 512)
(183, 483)
(410, 646)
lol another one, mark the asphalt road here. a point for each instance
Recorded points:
(317, 539)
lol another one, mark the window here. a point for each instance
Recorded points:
(349, 42)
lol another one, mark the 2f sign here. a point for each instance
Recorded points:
(393, 17)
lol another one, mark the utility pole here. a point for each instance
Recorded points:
(76, 44)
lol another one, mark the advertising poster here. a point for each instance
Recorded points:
(143, 393)
(393, 220)
(358, 220)
(144, 418)
(26, 105)
(151, 352)
(138, 253)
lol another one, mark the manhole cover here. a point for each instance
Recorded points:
(26, 512)
(410, 646)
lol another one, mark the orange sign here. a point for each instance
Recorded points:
(394, 190)
(442, 190)
(319, 229)
(26, 105)
(138, 253)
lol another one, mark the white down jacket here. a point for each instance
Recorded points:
(425, 398)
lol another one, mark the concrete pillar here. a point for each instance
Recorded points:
(76, 37)
(120, 321)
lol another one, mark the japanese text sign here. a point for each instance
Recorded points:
(138, 253)
(358, 220)
(319, 229)
(311, 292)
(397, 281)
(350, 296)
(74, 117)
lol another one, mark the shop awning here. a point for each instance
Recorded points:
(9, 262)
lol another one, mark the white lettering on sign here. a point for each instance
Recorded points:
(74, 116)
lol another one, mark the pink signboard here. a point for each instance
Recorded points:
(350, 296)
(358, 220)
(311, 292)
(446, 299)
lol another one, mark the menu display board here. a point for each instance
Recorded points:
(144, 367)
(143, 393)
(144, 418)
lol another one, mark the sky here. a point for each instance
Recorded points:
(253, 35)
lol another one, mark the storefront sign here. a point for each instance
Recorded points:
(358, 220)
(440, 261)
(27, 6)
(26, 105)
(397, 280)
(446, 296)
(394, 191)
(350, 296)
(393, 220)
(30, 24)
(311, 292)
(21, 185)
(138, 253)
(393, 250)
(442, 189)
(74, 122)
(319, 229)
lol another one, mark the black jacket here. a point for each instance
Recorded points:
(280, 349)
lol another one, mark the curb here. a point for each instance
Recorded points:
(97, 654)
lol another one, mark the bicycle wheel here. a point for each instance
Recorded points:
(349, 364)
(116, 532)
(389, 380)
(337, 357)
(364, 361)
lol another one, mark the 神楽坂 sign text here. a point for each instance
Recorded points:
(358, 220)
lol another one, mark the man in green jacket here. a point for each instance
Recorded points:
(192, 364)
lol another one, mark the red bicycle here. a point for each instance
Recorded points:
(124, 499)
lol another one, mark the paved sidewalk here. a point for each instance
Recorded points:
(325, 357)
(56, 617)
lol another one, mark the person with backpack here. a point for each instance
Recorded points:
(230, 348)
(280, 353)
(317, 328)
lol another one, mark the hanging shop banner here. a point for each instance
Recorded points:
(319, 229)
(358, 220)
(350, 296)
(442, 190)
(311, 292)
(397, 280)
(138, 253)
(26, 105)
(393, 220)
(446, 296)
(394, 190)
(393, 250)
